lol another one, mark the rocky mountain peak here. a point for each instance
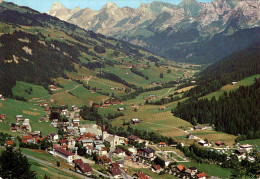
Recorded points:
(110, 5)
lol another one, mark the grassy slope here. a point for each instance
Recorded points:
(245, 82)
(14, 107)
(37, 91)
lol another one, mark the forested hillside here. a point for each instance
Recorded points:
(38, 48)
(232, 68)
(235, 113)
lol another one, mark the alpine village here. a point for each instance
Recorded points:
(158, 91)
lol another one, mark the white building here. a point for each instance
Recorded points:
(64, 154)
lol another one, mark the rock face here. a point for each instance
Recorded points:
(176, 25)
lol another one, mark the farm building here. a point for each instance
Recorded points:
(135, 121)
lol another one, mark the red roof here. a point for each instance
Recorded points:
(26, 137)
(162, 143)
(115, 165)
(180, 167)
(65, 152)
(141, 175)
(157, 167)
(201, 175)
(85, 167)
(104, 159)
(115, 171)
(78, 161)
(9, 142)
(89, 135)
(62, 141)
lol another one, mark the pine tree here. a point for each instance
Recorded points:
(13, 164)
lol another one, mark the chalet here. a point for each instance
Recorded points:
(116, 172)
(208, 128)
(119, 153)
(14, 129)
(20, 118)
(2, 98)
(53, 87)
(103, 160)
(121, 109)
(162, 108)
(64, 154)
(105, 105)
(156, 168)
(219, 143)
(78, 162)
(28, 139)
(162, 144)
(204, 144)
(198, 127)
(9, 143)
(140, 175)
(44, 119)
(135, 121)
(191, 136)
(234, 83)
(146, 152)
(76, 122)
(115, 102)
(54, 137)
(75, 108)
(241, 153)
(201, 175)
(87, 142)
(55, 120)
(84, 168)
(3, 116)
(189, 172)
(180, 168)
(133, 138)
(247, 147)
(89, 149)
(76, 116)
(25, 127)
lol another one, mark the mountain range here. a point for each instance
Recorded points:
(191, 31)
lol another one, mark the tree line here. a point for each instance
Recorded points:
(232, 68)
(235, 113)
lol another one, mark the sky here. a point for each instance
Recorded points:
(45, 5)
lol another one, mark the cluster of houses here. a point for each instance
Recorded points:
(242, 152)
(108, 103)
(32, 137)
(21, 124)
(192, 172)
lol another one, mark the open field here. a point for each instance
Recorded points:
(23, 89)
(245, 82)
(214, 136)
(210, 170)
(14, 107)
(184, 89)
(42, 170)
(153, 119)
